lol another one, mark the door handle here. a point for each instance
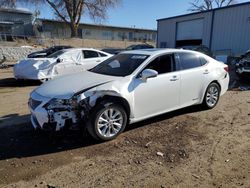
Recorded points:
(206, 72)
(98, 61)
(174, 78)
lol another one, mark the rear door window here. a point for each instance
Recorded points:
(90, 54)
(189, 61)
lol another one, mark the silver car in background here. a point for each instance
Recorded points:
(60, 63)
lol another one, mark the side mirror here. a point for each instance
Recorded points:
(148, 73)
(59, 60)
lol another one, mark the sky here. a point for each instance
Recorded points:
(132, 13)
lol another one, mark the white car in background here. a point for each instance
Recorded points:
(60, 63)
(126, 88)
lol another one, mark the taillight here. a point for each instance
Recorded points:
(226, 68)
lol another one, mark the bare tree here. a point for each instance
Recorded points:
(7, 3)
(71, 11)
(203, 5)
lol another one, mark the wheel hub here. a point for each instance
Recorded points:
(110, 122)
(212, 96)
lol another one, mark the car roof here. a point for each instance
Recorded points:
(72, 49)
(68, 49)
(61, 46)
(157, 51)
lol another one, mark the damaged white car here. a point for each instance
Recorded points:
(62, 62)
(127, 88)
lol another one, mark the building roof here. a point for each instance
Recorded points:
(99, 25)
(195, 13)
(12, 10)
(6, 23)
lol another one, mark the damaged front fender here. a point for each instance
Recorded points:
(92, 97)
(74, 114)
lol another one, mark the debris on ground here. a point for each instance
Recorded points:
(160, 154)
(147, 144)
(3, 66)
(197, 177)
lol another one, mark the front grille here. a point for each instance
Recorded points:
(34, 103)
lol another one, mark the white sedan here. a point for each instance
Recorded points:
(126, 88)
(60, 63)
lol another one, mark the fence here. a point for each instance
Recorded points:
(23, 40)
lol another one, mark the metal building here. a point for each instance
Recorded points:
(226, 30)
(15, 22)
(58, 29)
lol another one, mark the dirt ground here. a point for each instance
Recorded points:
(197, 148)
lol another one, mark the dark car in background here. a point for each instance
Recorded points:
(201, 48)
(47, 52)
(132, 47)
(242, 67)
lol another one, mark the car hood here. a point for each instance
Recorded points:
(38, 52)
(65, 87)
(39, 63)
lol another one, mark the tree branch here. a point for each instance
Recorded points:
(56, 10)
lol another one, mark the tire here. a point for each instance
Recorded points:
(211, 96)
(107, 121)
(44, 80)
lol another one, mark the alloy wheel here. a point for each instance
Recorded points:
(212, 96)
(110, 122)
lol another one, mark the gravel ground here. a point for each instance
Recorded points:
(185, 148)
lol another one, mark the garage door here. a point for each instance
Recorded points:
(190, 30)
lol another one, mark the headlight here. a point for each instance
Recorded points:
(61, 103)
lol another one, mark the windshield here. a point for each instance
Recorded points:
(56, 54)
(120, 65)
(131, 47)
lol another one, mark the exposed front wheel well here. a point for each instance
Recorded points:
(115, 99)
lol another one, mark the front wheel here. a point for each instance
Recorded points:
(107, 121)
(212, 96)
(44, 80)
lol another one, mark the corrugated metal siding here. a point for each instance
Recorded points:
(15, 17)
(231, 30)
(167, 28)
(22, 22)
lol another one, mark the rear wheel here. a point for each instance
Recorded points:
(212, 96)
(107, 121)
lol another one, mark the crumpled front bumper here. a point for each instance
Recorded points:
(53, 120)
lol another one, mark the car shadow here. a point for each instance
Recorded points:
(166, 116)
(12, 82)
(21, 140)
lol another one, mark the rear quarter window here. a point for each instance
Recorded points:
(203, 61)
(189, 61)
(102, 54)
